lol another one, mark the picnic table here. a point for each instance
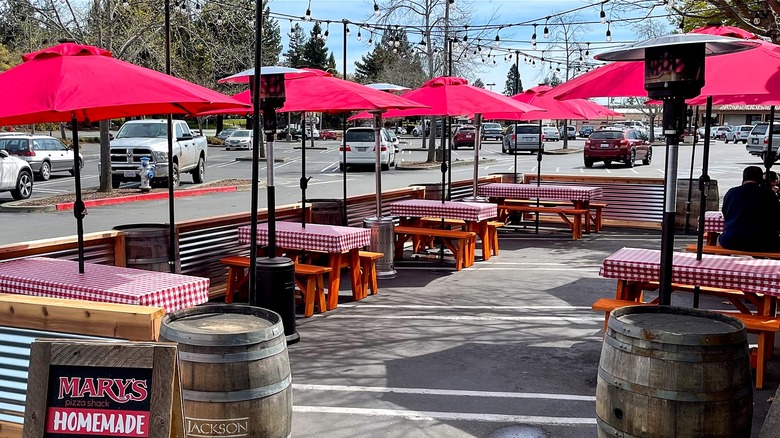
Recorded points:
(475, 215)
(336, 241)
(713, 226)
(579, 196)
(59, 278)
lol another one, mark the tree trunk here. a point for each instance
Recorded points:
(105, 158)
(63, 134)
(432, 142)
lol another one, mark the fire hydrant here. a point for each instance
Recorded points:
(146, 172)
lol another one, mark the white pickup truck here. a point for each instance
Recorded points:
(149, 138)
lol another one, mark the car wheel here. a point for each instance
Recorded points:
(649, 157)
(607, 163)
(45, 173)
(726, 140)
(199, 173)
(385, 166)
(588, 163)
(115, 183)
(342, 167)
(176, 176)
(631, 158)
(24, 186)
(81, 166)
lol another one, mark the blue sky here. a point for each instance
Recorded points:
(503, 11)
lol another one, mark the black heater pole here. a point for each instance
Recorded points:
(769, 157)
(344, 219)
(516, 90)
(694, 124)
(704, 188)
(171, 210)
(79, 209)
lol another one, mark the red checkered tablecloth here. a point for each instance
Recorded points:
(713, 221)
(742, 273)
(57, 278)
(466, 211)
(315, 237)
(527, 191)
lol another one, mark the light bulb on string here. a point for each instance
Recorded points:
(327, 32)
(395, 49)
(497, 41)
(376, 9)
(602, 14)
(359, 37)
(371, 39)
(219, 20)
(546, 30)
(307, 17)
(494, 60)
(397, 43)
(558, 68)
(609, 33)
(465, 33)
(533, 37)
(587, 50)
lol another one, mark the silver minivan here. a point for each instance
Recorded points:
(45, 154)
(758, 140)
(360, 147)
(527, 138)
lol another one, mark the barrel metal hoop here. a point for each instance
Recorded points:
(677, 396)
(237, 396)
(611, 430)
(163, 259)
(243, 356)
(691, 357)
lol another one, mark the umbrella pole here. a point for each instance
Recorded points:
(378, 161)
(171, 208)
(704, 188)
(79, 210)
(344, 220)
(539, 170)
(690, 174)
(769, 157)
(477, 146)
(304, 185)
(448, 137)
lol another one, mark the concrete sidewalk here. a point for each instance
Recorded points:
(506, 348)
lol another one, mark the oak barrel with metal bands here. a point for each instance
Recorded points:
(146, 247)
(234, 368)
(674, 372)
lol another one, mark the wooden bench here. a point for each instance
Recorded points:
(493, 227)
(124, 321)
(461, 243)
(575, 224)
(368, 271)
(713, 249)
(734, 296)
(595, 214)
(309, 279)
(764, 326)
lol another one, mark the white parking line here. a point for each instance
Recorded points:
(573, 319)
(448, 416)
(445, 392)
(448, 307)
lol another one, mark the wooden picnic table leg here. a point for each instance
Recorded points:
(584, 205)
(481, 228)
(334, 279)
(354, 273)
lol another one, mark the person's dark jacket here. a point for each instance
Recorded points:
(751, 213)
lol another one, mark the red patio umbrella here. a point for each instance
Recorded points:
(77, 83)
(573, 109)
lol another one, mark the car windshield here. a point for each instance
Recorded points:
(763, 128)
(528, 130)
(746, 128)
(364, 135)
(143, 130)
(466, 129)
(14, 144)
(492, 126)
(606, 135)
(241, 134)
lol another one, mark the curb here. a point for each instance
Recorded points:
(276, 160)
(309, 148)
(437, 164)
(66, 206)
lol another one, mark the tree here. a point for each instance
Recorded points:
(6, 59)
(392, 47)
(478, 83)
(294, 55)
(332, 65)
(652, 111)
(552, 79)
(315, 54)
(509, 87)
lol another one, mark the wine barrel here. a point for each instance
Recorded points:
(673, 372)
(713, 202)
(327, 211)
(234, 368)
(146, 247)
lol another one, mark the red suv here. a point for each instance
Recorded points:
(464, 136)
(614, 145)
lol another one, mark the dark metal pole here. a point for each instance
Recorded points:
(256, 144)
(516, 90)
(171, 208)
(538, 169)
(304, 183)
(769, 157)
(79, 209)
(690, 174)
(704, 188)
(344, 219)
(449, 123)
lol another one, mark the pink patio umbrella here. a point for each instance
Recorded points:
(74, 83)
(453, 96)
(573, 109)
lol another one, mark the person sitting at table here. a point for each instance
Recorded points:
(772, 182)
(750, 215)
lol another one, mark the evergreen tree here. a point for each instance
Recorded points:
(509, 86)
(332, 65)
(478, 83)
(394, 46)
(294, 55)
(315, 54)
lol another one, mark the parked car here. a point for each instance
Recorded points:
(527, 138)
(617, 145)
(327, 135)
(282, 135)
(491, 130)
(391, 134)
(225, 133)
(465, 136)
(739, 134)
(239, 139)
(360, 148)
(417, 130)
(586, 130)
(658, 132)
(44, 154)
(570, 130)
(719, 132)
(551, 134)
(15, 176)
(758, 140)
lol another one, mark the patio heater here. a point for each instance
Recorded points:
(274, 286)
(674, 71)
(382, 228)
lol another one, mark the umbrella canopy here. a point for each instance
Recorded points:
(574, 109)
(75, 83)
(69, 80)
(742, 73)
(391, 88)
